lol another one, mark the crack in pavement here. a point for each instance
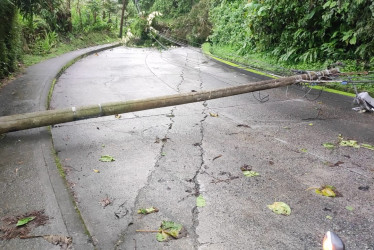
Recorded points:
(195, 210)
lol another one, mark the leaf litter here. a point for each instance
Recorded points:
(200, 201)
(147, 210)
(328, 191)
(106, 158)
(167, 231)
(248, 172)
(65, 242)
(106, 202)
(26, 222)
(280, 208)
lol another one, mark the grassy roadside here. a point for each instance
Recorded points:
(261, 62)
(69, 44)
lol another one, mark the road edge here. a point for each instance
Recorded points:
(266, 74)
(66, 201)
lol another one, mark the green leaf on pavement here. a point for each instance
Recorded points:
(349, 143)
(162, 236)
(24, 221)
(349, 208)
(329, 217)
(147, 210)
(329, 145)
(280, 208)
(168, 229)
(327, 190)
(251, 173)
(200, 201)
(368, 146)
(106, 158)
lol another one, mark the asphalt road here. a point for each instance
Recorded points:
(167, 157)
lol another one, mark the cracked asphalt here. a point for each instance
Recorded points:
(167, 157)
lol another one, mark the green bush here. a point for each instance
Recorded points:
(297, 31)
(10, 45)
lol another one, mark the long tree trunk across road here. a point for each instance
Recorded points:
(51, 117)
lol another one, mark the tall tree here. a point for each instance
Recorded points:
(124, 4)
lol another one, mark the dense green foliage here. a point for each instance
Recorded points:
(10, 48)
(307, 31)
(37, 27)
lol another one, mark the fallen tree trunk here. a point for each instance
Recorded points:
(51, 117)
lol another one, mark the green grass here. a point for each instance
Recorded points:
(70, 44)
(261, 62)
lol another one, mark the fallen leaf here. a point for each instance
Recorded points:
(213, 115)
(280, 208)
(329, 217)
(170, 115)
(118, 116)
(310, 124)
(96, 171)
(349, 208)
(105, 202)
(65, 242)
(368, 146)
(304, 150)
(169, 229)
(347, 143)
(328, 191)
(250, 173)
(147, 210)
(286, 127)
(200, 201)
(245, 167)
(24, 221)
(106, 158)
(163, 154)
(329, 145)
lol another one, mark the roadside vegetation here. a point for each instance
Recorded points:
(33, 31)
(276, 36)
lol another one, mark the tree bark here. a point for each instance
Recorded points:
(122, 17)
(51, 117)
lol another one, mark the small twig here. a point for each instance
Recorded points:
(215, 158)
(30, 236)
(147, 231)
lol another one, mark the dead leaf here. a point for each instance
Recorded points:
(118, 116)
(213, 115)
(245, 167)
(105, 202)
(65, 242)
(96, 171)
